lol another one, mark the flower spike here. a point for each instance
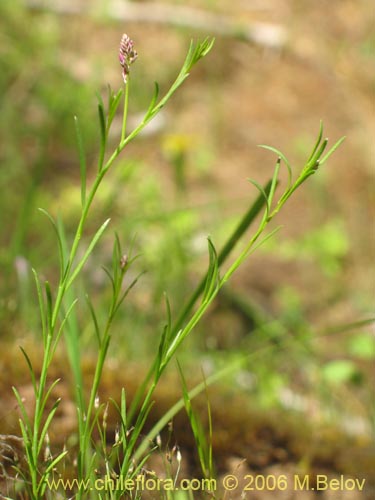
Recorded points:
(127, 55)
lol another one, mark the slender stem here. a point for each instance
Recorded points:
(125, 114)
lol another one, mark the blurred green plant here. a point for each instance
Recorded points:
(327, 245)
(31, 71)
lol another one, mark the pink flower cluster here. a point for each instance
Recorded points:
(127, 55)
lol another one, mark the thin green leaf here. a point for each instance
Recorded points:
(263, 193)
(285, 160)
(54, 225)
(123, 407)
(108, 273)
(125, 294)
(47, 423)
(152, 102)
(88, 252)
(212, 273)
(94, 319)
(320, 135)
(116, 258)
(82, 160)
(122, 413)
(103, 132)
(261, 242)
(210, 432)
(172, 347)
(48, 393)
(112, 108)
(28, 444)
(274, 182)
(62, 326)
(312, 164)
(332, 150)
(53, 464)
(142, 417)
(24, 414)
(140, 466)
(42, 306)
(47, 288)
(196, 427)
(169, 313)
(31, 370)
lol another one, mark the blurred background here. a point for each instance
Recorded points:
(301, 305)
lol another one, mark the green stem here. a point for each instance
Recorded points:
(125, 114)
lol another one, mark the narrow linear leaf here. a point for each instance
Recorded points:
(103, 132)
(262, 241)
(122, 413)
(62, 326)
(320, 135)
(165, 337)
(48, 393)
(54, 463)
(24, 414)
(47, 288)
(125, 294)
(108, 273)
(27, 441)
(88, 252)
(31, 370)
(123, 408)
(42, 306)
(138, 427)
(47, 424)
(209, 458)
(212, 273)
(162, 348)
(94, 319)
(332, 150)
(115, 101)
(285, 160)
(116, 258)
(316, 158)
(195, 424)
(151, 107)
(54, 225)
(140, 466)
(82, 160)
(172, 347)
(263, 193)
(169, 313)
(274, 182)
